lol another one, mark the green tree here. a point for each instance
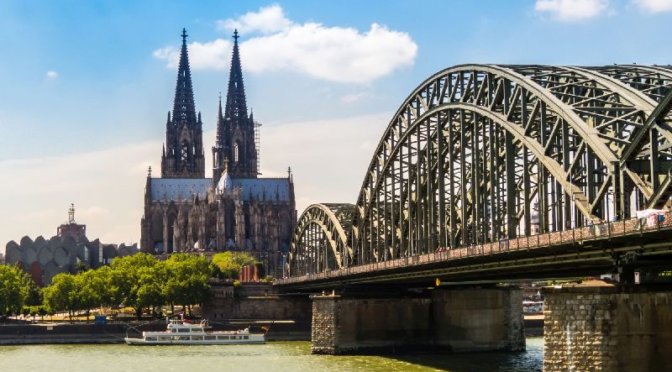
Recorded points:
(229, 263)
(150, 293)
(15, 287)
(88, 291)
(62, 294)
(126, 279)
(187, 280)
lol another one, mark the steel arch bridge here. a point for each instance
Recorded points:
(479, 153)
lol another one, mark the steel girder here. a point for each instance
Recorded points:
(321, 239)
(479, 153)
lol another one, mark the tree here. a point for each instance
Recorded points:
(126, 279)
(89, 290)
(187, 280)
(15, 287)
(150, 293)
(62, 294)
(229, 263)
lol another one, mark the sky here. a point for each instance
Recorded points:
(85, 86)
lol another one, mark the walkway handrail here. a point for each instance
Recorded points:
(580, 235)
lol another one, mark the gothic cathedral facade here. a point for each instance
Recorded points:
(235, 209)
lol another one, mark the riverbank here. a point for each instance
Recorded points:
(114, 333)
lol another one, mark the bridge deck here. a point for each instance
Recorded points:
(554, 253)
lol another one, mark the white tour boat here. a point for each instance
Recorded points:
(180, 332)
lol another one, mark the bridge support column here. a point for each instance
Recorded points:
(607, 328)
(478, 319)
(443, 319)
(343, 325)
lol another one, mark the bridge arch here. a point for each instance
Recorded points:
(478, 153)
(321, 239)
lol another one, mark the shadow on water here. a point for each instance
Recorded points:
(530, 360)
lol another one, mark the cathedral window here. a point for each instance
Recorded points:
(235, 152)
(185, 151)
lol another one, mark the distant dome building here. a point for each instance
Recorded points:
(64, 252)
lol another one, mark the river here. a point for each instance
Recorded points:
(273, 356)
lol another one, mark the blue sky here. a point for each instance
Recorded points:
(86, 85)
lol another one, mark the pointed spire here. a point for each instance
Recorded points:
(236, 107)
(184, 108)
(184, 156)
(220, 106)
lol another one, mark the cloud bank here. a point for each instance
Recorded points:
(571, 10)
(654, 6)
(328, 160)
(336, 54)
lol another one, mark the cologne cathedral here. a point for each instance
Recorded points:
(235, 209)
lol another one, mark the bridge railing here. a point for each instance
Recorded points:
(579, 235)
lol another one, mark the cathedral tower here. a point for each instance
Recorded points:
(183, 155)
(235, 150)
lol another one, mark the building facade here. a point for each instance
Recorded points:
(66, 252)
(235, 209)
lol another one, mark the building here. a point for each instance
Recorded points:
(66, 252)
(235, 209)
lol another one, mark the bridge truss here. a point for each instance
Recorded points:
(482, 153)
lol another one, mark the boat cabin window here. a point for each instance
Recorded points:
(245, 337)
(183, 330)
(210, 337)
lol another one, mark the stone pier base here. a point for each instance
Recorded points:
(349, 325)
(448, 319)
(607, 329)
(479, 320)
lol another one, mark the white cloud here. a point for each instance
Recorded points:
(654, 6)
(51, 75)
(354, 97)
(213, 55)
(336, 54)
(572, 10)
(267, 20)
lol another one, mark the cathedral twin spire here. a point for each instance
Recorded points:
(183, 155)
(235, 149)
(235, 96)
(183, 107)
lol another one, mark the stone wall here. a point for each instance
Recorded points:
(605, 329)
(255, 301)
(478, 319)
(270, 307)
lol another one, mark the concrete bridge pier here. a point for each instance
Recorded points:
(607, 328)
(467, 319)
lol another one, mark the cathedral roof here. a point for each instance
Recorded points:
(179, 188)
(256, 188)
(176, 189)
(263, 188)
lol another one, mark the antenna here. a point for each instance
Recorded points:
(71, 213)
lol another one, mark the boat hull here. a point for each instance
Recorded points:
(140, 341)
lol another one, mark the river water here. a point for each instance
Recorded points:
(273, 356)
